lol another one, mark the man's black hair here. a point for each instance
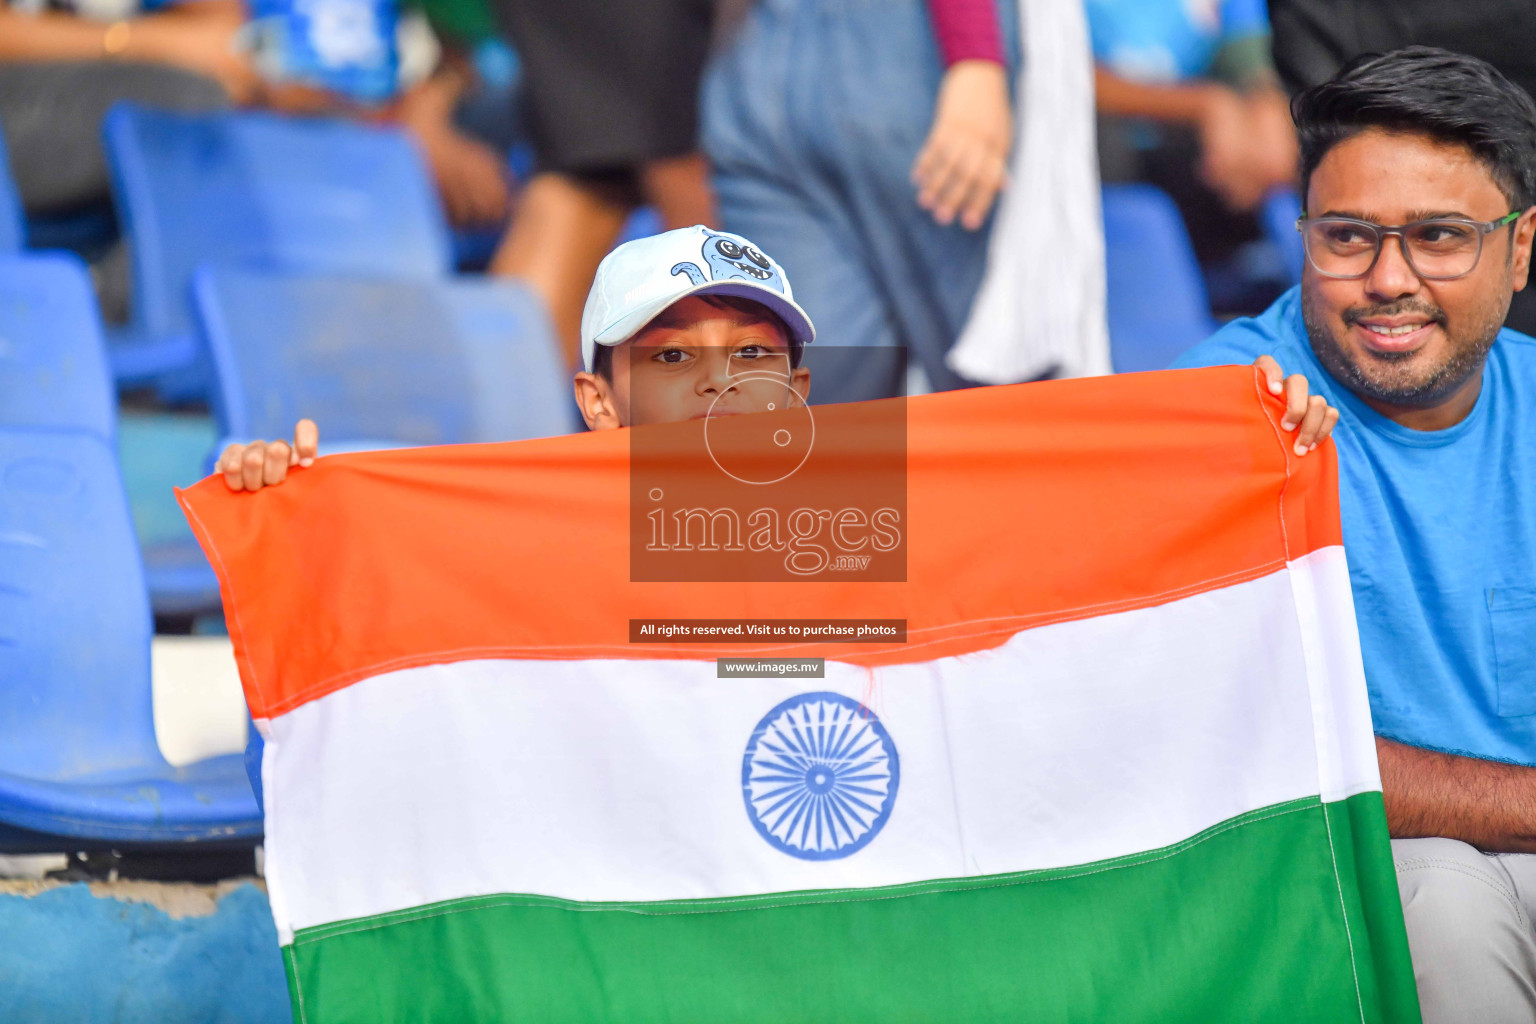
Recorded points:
(602, 359)
(1422, 90)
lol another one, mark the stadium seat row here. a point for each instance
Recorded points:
(78, 753)
(256, 190)
(273, 204)
(380, 362)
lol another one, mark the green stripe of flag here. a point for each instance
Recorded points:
(1287, 914)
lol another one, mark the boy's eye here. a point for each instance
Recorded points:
(671, 355)
(759, 348)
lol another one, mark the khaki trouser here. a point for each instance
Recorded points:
(1469, 917)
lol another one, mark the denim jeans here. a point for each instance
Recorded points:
(813, 116)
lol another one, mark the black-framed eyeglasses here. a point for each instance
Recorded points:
(1437, 249)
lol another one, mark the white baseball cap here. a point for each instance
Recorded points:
(641, 278)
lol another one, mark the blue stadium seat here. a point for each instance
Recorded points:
(1278, 215)
(12, 232)
(380, 362)
(522, 387)
(262, 190)
(78, 755)
(53, 375)
(179, 578)
(1156, 297)
(53, 366)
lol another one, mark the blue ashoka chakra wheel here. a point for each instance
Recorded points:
(819, 776)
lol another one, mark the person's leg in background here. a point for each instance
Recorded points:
(51, 113)
(566, 223)
(562, 229)
(679, 188)
(1469, 920)
(611, 93)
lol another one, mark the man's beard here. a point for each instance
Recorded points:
(1389, 377)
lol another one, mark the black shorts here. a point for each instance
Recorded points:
(609, 85)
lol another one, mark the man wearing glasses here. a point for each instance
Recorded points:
(1419, 172)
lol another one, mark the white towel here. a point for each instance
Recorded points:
(1041, 304)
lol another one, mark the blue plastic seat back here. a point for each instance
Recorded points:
(263, 189)
(1278, 215)
(12, 227)
(1156, 296)
(53, 362)
(376, 360)
(522, 387)
(74, 619)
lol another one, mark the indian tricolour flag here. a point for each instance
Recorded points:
(1120, 769)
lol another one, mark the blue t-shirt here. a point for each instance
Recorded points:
(1440, 536)
(1167, 41)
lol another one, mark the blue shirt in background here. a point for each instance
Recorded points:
(1440, 536)
(1164, 41)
